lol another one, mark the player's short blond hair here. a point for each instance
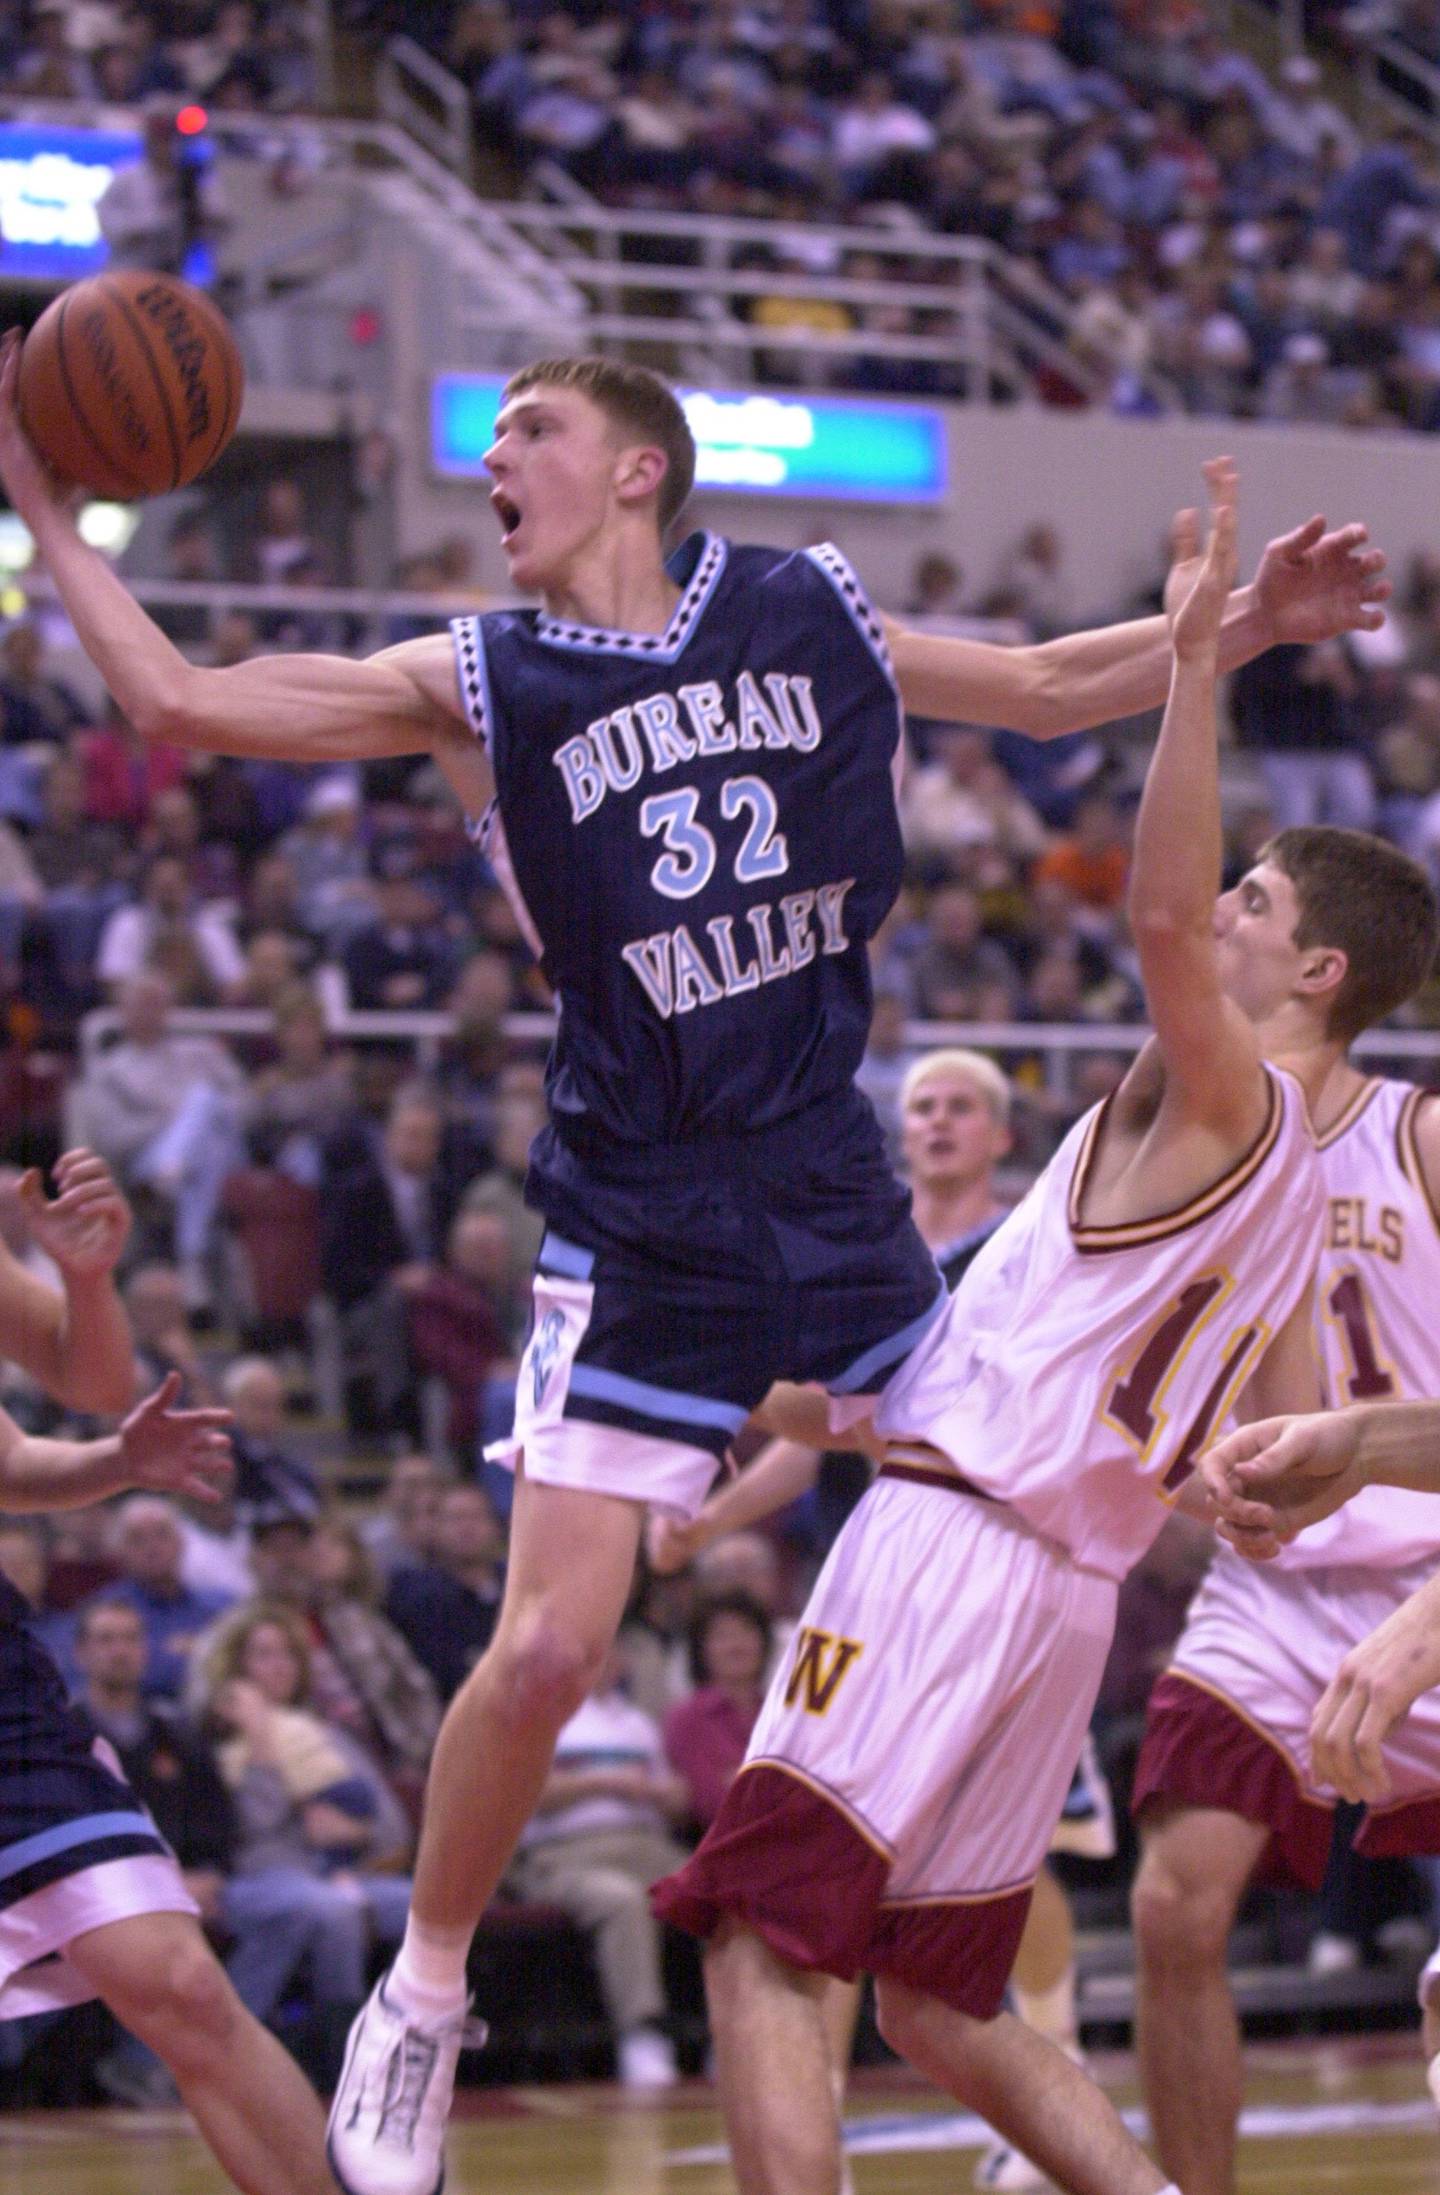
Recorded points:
(637, 402)
(954, 1059)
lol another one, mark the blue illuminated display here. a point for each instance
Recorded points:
(50, 183)
(746, 442)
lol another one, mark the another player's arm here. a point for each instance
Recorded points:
(1374, 1688)
(157, 1448)
(1208, 1048)
(1295, 1471)
(302, 708)
(75, 1344)
(780, 1474)
(1310, 585)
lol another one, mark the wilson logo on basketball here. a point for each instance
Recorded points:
(105, 362)
(187, 349)
(822, 1662)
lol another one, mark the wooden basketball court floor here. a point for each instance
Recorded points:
(1348, 2117)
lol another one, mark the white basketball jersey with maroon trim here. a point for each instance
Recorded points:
(1079, 1371)
(1375, 1311)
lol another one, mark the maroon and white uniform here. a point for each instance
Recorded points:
(912, 1758)
(1229, 1722)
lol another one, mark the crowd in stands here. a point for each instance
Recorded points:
(235, 55)
(1233, 235)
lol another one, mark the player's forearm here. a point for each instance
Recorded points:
(1179, 845)
(796, 1414)
(299, 708)
(1398, 1444)
(1064, 685)
(780, 1474)
(95, 1356)
(57, 1474)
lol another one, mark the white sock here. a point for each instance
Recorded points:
(1432, 2077)
(429, 1970)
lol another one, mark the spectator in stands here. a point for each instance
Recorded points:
(123, 773)
(284, 543)
(71, 852)
(398, 1705)
(1289, 710)
(147, 1546)
(162, 1109)
(36, 704)
(871, 126)
(936, 588)
(462, 1318)
(400, 1534)
(446, 1607)
(962, 798)
(961, 974)
(53, 66)
(402, 959)
(707, 1731)
(164, 1343)
(474, 1052)
(387, 1203)
(155, 212)
(882, 1070)
(25, 1564)
(1092, 859)
(307, 1802)
(599, 1837)
(172, 1769)
(268, 1473)
(165, 929)
(305, 1095)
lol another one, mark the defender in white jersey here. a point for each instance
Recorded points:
(1225, 1790)
(909, 1765)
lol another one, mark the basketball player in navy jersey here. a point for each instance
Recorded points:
(686, 769)
(92, 1903)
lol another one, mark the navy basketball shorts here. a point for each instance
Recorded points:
(666, 1309)
(77, 1849)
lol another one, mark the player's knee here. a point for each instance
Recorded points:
(1179, 1917)
(180, 2002)
(545, 1667)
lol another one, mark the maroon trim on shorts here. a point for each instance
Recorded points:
(1401, 1832)
(1202, 1751)
(960, 1950)
(788, 1863)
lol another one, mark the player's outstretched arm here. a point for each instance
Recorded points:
(1298, 1470)
(1209, 1051)
(302, 708)
(75, 1345)
(780, 1474)
(1374, 1688)
(1310, 585)
(158, 1449)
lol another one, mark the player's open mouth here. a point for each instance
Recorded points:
(506, 512)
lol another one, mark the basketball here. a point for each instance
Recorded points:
(130, 384)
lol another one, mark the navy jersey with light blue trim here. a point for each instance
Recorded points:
(701, 825)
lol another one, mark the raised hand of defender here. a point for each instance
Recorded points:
(169, 1451)
(86, 1225)
(1198, 589)
(1271, 1479)
(1312, 585)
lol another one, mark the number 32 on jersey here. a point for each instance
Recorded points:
(1137, 1405)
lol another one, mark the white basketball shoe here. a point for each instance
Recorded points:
(387, 2122)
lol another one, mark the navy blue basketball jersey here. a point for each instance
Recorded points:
(701, 826)
(956, 1258)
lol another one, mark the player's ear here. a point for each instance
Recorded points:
(1322, 971)
(639, 471)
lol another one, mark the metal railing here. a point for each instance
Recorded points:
(1055, 1048)
(420, 96)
